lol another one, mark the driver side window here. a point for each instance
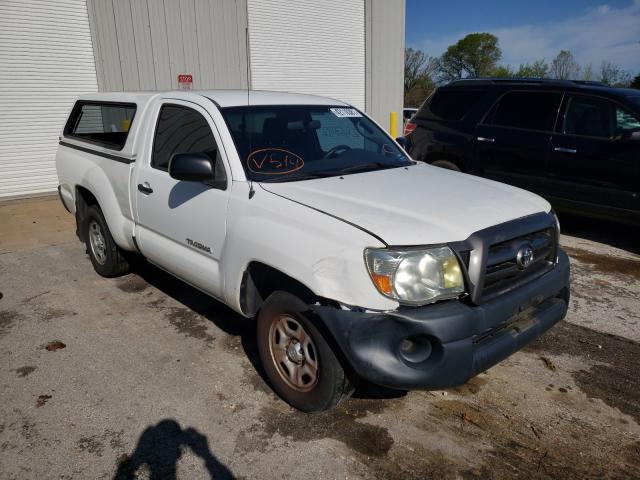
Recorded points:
(183, 130)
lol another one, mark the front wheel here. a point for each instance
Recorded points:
(298, 361)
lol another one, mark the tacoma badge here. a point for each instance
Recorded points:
(199, 246)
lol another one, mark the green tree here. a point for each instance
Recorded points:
(418, 94)
(503, 71)
(476, 55)
(419, 69)
(614, 76)
(564, 67)
(587, 72)
(537, 69)
(635, 83)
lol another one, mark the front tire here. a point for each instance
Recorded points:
(301, 366)
(107, 258)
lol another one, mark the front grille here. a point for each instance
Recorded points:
(489, 256)
(502, 271)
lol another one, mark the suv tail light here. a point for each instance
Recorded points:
(409, 127)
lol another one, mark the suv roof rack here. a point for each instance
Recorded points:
(539, 81)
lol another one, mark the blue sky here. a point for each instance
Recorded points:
(593, 30)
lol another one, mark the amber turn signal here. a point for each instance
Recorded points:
(382, 282)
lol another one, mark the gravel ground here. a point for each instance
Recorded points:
(142, 375)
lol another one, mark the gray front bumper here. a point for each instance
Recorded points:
(464, 339)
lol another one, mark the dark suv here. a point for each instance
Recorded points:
(576, 143)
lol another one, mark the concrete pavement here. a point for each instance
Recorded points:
(154, 377)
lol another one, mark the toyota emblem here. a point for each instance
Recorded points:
(524, 258)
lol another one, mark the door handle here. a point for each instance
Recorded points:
(145, 188)
(565, 150)
(486, 140)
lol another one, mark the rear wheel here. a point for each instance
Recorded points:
(107, 258)
(298, 361)
(447, 164)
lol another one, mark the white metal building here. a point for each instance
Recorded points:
(54, 50)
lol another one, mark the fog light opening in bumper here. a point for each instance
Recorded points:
(415, 349)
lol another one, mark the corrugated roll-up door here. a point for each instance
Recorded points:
(46, 59)
(309, 46)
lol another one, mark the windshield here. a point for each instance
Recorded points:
(298, 142)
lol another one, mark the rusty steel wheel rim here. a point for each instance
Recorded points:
(97, 242)
(293, 353)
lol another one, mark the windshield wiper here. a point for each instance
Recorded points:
(298, 176)
(366, 167)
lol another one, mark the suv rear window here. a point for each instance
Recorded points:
(453, 104)
(105, 124)
(529, 110)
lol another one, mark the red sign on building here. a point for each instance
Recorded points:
(185, 82)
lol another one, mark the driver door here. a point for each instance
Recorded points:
(181, 225)
(589, 161)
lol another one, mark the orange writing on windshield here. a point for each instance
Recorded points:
(274, 161)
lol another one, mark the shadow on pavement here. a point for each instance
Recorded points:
(160, 447)
(222, 316)
(616, 235)
(232, 323)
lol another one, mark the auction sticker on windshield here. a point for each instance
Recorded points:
(345, 112)
(274, 161)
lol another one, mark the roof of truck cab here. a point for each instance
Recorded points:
(223, 98)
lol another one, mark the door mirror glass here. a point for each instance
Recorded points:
(192, 167)
(402, 141)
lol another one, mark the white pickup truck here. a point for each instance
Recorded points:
(358, 263)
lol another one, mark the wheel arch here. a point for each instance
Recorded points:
(120, 227)
(450, 157)
(84, 199)
(260, 280)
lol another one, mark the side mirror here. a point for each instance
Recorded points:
(402, 141)
(631, 137)
(195, 167)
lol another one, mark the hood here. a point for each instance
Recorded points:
(416, 205)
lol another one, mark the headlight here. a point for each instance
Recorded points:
(415, 276)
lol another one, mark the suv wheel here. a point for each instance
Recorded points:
(449, 165)
(107, 258)
(298, 361)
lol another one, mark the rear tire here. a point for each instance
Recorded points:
(107, 258)
(301, 366)
(446, 164)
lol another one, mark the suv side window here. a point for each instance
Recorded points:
(626, 121)
(590, 117)
(183, 130)
(528, 110)
(452, 104)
